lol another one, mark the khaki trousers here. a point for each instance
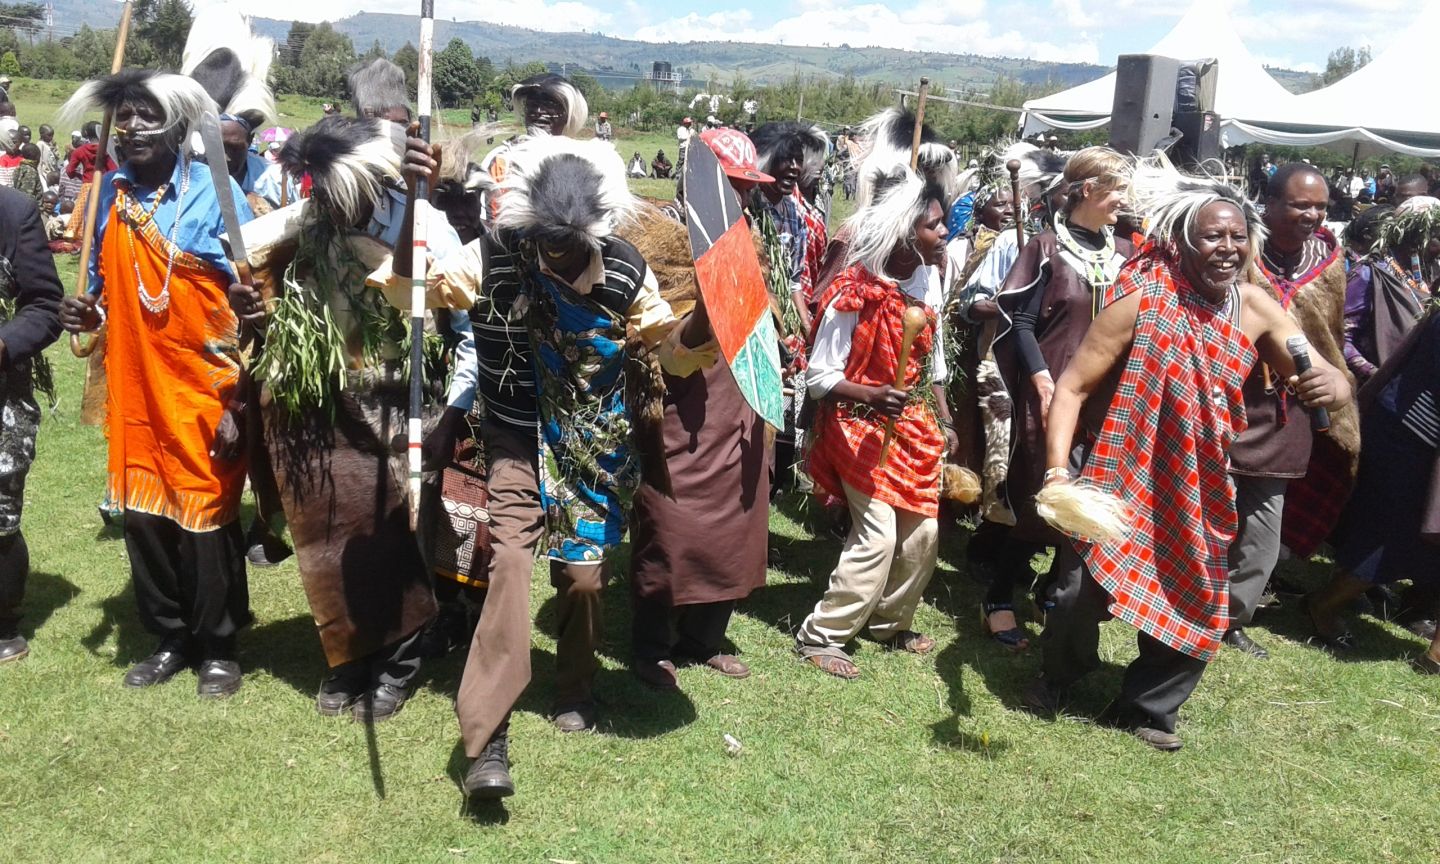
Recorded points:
(498, 667)
(884, 567)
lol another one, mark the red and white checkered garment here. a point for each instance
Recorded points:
(848, 438)
(815, 242)
(1164, 449)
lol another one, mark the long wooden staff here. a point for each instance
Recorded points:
(419, 262)
(84, 346)
(923, 94)
(913, 323)
(1013, 166)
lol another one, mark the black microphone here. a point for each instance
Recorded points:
(1299, 348)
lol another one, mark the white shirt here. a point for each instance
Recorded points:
(831, 350)
(682, 134)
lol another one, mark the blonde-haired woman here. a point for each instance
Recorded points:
(1048, 300)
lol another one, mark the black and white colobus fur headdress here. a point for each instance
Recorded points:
(899, 198)
(1040, 169)
(774, 141)
(232, 64)
(559, 88)
(563, 191)
(182, 100)
(1168, 202)
(349, 163)
(378, 87)
(885, 144)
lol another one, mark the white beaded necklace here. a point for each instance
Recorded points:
(158, 303)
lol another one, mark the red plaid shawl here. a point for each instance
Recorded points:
(815, 242)
(1163, 448)
(848, 438)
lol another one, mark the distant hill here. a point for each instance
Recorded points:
(620, 62)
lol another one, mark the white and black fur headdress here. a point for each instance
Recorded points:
(558, 87)
(378, 87)
(899, 198)
(181, 99)
(232, 64)
(562, 190)
(774, 141)
(885, 144)
(1168, 202)
(1040, 169)
(349, 163)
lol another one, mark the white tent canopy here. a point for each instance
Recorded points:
(1375, 109)
(1244, 90)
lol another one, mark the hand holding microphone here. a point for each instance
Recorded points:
(1310, 383)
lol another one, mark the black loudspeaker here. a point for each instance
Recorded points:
(1199, 145)
(1144, 101)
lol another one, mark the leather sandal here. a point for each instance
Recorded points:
(910, 642)
(840, 667)
(1015, 638)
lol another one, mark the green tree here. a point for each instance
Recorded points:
(9, 63)
(457, 80)
(408, 59)
(376, 52)
(324, 62)
(1342, 61)
(161, 30)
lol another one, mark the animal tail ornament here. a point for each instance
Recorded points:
(1081, 510)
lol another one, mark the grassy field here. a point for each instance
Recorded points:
(1304, 758)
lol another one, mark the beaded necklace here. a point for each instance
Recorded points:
(155, 303)
(1100, 266)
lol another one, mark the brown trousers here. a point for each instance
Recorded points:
(498, 668)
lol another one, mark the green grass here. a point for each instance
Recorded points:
(1304, 758)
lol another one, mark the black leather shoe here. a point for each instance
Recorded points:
(1167, 742)
(338, 694)
(1241, 640)
(380, 704)
(14, 648)
(161, 666)
(218, 679)
(489, 775)
(1043, 698)
(578, 717)
(1422, 627)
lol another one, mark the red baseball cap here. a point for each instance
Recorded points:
(736, 154)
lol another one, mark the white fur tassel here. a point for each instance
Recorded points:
(1081, 510)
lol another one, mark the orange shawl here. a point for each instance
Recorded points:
(170, 375)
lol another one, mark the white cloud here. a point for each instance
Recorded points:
(951, 28)
(557, 17)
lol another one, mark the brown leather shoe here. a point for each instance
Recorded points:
(1167, 742)
(658, 674)
(728, 665)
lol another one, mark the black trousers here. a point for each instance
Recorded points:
(1155, 685)
(659, 631)
(396, 664)
(189, 582)
(14, 568)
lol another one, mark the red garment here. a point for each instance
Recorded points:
(1163, 448)
(84, 156)
(848, 436)
(8, 160)
(815, 241)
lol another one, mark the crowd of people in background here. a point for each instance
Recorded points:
(1155, 375)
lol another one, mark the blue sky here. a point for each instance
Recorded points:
(1297, 34)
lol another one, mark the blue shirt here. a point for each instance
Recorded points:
(254, 167)
(959, 217)
(443, 243)
(200, 224)
(267, 185)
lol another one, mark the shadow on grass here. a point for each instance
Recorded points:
(1373, 641)
(44, 594)
(119, 619)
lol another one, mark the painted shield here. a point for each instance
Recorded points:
(732, 283)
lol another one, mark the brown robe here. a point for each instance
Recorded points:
(1065, 316)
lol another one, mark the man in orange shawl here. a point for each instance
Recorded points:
(159, 280)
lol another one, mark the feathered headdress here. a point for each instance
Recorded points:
(1040, 169)
(232, 64)
(885, 144)
(349, 162)
(563, 190)
(182, 101)
(899, 198)
(1415, 223)
(1168, 203)
(377, 88)
(775, 142)
(559, 88)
